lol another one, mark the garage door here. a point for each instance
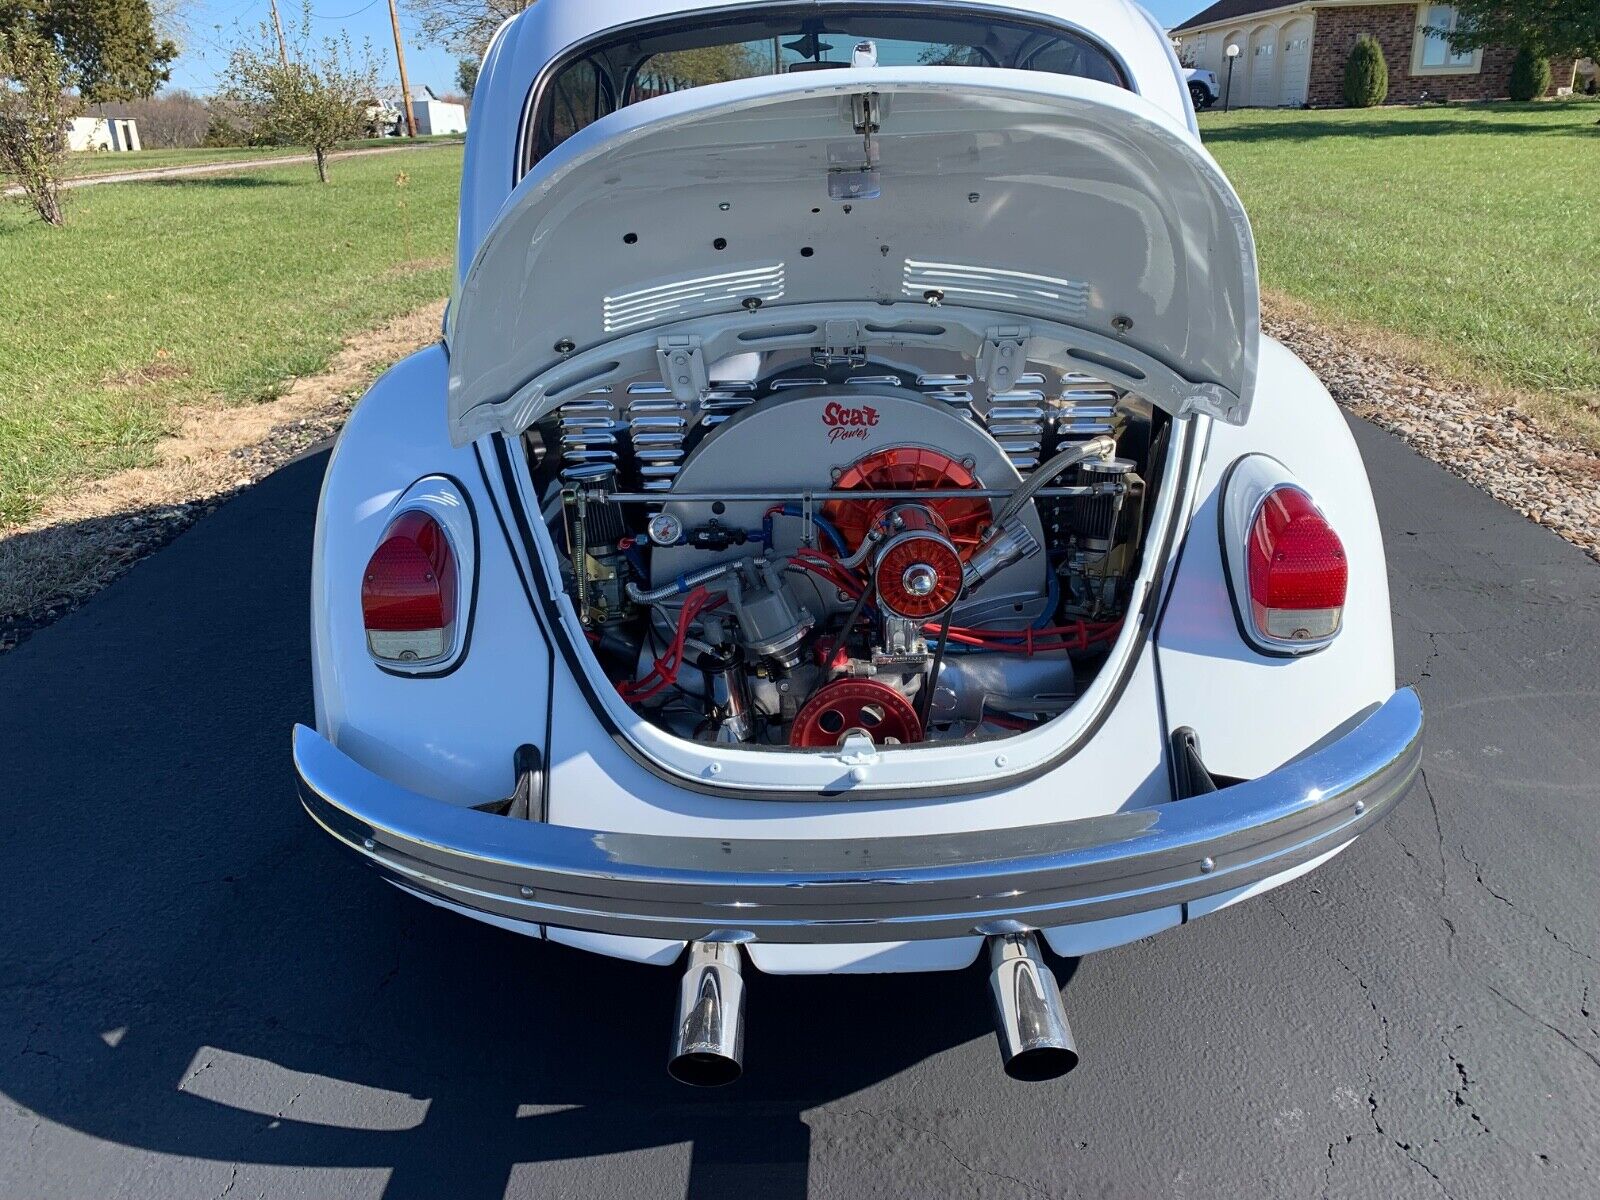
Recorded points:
(1261, 74)
(1294, 66)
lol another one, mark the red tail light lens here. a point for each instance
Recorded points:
(1298, 573)
(408, 594)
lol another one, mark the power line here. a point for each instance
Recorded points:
(344, 16)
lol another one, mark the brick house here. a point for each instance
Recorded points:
(1294, 54)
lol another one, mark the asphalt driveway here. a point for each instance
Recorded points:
(200, 996)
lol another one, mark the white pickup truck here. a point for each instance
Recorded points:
(1203, 89)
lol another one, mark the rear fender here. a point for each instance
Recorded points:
(451, 736)
(1252, 712)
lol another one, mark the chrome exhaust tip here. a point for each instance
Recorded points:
(1035, 1040)
(708, 1035)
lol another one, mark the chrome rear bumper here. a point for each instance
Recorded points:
(877, 889)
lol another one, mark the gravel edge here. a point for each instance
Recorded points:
(1552, 481)
(136, 535)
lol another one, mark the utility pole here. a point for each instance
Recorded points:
(283, 51)
(400, 57)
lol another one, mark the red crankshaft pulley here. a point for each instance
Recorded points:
(908, 468)
(855, 705)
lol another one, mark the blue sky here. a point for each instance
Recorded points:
(216, 24)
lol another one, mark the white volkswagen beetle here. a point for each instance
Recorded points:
(853, 521)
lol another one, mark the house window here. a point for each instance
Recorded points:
(1432, 53)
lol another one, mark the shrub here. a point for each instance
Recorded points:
(37, 105)
(1530, 75)
(315, 102)
(225, 131)
(1366, 74)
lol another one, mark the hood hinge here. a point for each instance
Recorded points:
(683, 367)
(866, 115)
(1213, 400)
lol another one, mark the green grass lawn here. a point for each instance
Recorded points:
(1472, 230)
(217, 286)
(88, 163)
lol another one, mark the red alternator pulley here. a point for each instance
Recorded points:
(855, 705)
(908, 468)
(918, 568)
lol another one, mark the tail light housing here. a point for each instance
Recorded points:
(1297, 570)
(415, 589)
(1287, 569)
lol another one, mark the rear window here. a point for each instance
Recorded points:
(625, 70)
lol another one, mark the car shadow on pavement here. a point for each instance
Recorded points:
(189, 967)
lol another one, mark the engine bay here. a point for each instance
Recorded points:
(821, 548)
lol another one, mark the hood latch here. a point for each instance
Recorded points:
(683, 367)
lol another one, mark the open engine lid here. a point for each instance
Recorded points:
(985, 208)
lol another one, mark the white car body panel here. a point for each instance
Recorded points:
(1279, 706)
(594, 784)
(446, 735)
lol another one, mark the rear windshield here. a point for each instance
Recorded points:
(625, 70)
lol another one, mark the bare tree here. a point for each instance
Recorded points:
(316, 99)
(173, 19)
(171, 120)
(465, 26)
(36, 107)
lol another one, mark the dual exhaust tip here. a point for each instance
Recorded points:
(708, 1036)
(1035, 1039)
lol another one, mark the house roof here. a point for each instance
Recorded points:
(1229, 10)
